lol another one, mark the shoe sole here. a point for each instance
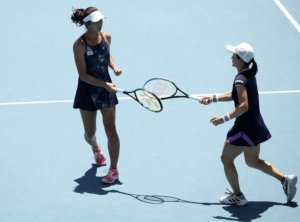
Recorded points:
(238, 203)
(106, 182)
(241, 204)
(103, 164)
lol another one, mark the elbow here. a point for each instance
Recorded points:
(244, 108)
(84, 78)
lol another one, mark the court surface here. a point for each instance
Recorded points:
(170, 168)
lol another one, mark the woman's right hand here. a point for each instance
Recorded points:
(111, 87)
(206, 100)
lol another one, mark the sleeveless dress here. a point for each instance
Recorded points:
(89, 97)
(249, 129)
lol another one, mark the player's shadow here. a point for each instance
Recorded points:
(252, 211)
(160, 199)
(90, 183)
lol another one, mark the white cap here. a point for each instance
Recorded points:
(244, 50)
(95, 16)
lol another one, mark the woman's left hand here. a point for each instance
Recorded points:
(117, 71)
(217, 120)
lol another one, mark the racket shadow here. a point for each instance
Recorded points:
(160, 199)
(253, 210)
(92, 184)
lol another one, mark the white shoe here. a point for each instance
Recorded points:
(289, 186)
(233, 199)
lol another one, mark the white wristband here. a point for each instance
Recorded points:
(226, 117)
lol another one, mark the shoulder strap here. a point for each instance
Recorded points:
(104, 39)
(84, 39)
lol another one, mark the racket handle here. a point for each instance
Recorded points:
(195, 97)
(119, 90)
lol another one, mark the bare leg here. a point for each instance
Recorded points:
(89, 123)
(228, 155)
(252, 159)
(109, 115)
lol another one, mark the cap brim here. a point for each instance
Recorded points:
(97, 18)
(231, 48)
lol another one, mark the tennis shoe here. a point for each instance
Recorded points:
(233, 199)
(289, 186)
(111, 177)
(99, 156)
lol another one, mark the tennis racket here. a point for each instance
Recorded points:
(145, 98)
(166, 89)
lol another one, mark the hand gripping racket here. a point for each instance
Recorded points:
(145, 98)
(166, 89)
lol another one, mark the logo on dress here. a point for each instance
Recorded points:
(89, 51)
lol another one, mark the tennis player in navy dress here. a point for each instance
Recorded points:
(249, 129)
(95, 90)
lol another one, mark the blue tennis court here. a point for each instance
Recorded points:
(170, 168)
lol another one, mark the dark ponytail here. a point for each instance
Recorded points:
(79, 14)
(253, 67)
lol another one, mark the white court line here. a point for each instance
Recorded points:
(288, 15)
(261, 93)
(122, 98)
(280, 92)
(46, 102)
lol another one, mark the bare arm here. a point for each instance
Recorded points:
(111, 63)
(239, 110)
(225, 97)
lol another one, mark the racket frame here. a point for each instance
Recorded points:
(133, 95)
(185, 95)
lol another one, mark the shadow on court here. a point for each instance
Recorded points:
(160, 199)
(90, 183)
(252, 211)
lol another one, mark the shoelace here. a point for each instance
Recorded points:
(97, 154)
(228, 192)
(109, 172)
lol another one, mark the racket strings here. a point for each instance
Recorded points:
(148, 100)
(161, 88)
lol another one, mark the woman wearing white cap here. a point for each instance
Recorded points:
(95, 90)
(249, 129)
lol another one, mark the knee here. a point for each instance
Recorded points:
(225, 160)
(90, 139)
(252, 163)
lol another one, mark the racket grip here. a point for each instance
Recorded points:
(195, 97)
(119, 90)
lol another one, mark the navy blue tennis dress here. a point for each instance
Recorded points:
(89, 97)
(249, 129)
